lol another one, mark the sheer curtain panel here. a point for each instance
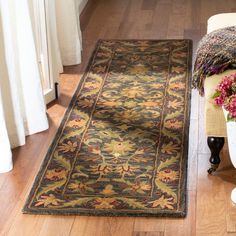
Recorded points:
(22, 108)
(68, 30)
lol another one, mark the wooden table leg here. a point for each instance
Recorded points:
(215, 144)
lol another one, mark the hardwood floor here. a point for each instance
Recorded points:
(210, 211)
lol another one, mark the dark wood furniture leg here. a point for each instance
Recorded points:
(215, 144)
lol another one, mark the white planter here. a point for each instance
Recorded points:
(231, 136)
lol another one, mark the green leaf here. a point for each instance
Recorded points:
(75, 202)
(79, 175)
(126, 190)
(50, 187)
(140, 191)
(165, 189)
(229, 119)
(80, 170)
(71, 134)
(216, 94)
(131, 202)
(167, 163)
(171, 135)
(62, 161)
(89, 189)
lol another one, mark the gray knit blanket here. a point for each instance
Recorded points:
(216, 53)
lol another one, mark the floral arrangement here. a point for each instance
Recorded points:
(225, 96)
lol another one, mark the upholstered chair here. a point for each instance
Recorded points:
(215, 125)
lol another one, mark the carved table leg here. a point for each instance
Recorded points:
(215, 144)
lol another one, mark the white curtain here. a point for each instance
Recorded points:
(53, 41)
(68, 31)
(22, 108)
(65, 40)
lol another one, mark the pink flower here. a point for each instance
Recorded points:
(219, 101)
(225, 85)
(225, 95)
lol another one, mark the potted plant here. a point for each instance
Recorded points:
(225, 96)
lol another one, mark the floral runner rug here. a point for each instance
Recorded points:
(122, 146)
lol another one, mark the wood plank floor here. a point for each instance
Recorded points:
(210, 211)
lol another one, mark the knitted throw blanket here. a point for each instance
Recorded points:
(216, 53)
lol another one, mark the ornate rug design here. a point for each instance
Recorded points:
(122, 146)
